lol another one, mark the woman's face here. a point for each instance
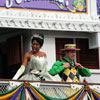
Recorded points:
(35, 46)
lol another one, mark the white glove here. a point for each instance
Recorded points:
(19, 72)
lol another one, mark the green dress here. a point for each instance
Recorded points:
(38, 70)
(70, 74)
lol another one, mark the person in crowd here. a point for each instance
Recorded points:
(67, 68)
(37, 61)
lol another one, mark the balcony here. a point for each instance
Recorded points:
(36, 90)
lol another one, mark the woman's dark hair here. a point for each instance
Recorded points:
(39, 38)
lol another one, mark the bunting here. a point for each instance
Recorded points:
(29, 92)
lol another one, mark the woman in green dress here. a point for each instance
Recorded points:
(37, 62)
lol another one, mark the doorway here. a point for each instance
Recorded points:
(11, 56)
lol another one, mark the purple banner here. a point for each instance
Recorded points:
(98, 7)
(76, 6)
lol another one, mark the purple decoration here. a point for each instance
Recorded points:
(98, 7)
(95, 96)
(50, 5)
(80, 95)
(15, 96)
(34, 96)
(25, 92)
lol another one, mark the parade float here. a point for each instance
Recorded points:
(58, 15)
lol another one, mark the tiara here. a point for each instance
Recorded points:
(37, 36)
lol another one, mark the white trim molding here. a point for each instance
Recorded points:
(49, 21)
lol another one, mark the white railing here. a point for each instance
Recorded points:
(59, 90)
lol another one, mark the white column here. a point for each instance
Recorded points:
(93, 7)
(49, 49)
(89, 7)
